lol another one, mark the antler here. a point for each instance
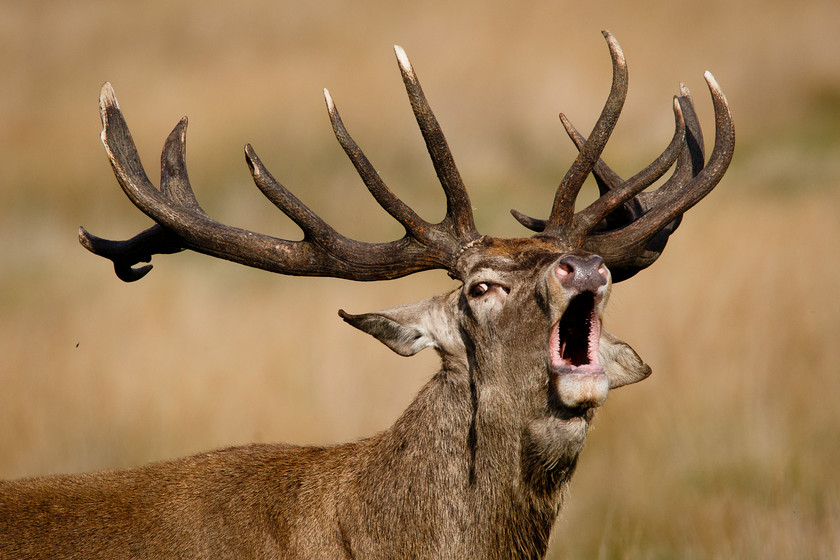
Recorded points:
(627, 227)
(183, 224)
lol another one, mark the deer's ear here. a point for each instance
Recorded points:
(407, 329)
(621, 363)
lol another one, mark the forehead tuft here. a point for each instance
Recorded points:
(509, 255)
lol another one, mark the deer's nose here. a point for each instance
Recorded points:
(581, 273)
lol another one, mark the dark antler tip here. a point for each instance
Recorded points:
(567, 124)
(177, 139)
(255, 164)
(678, 112)
(107, 103)
(128, 274)
(250, 156)
(533, 224)
(91, 242)
(84, 238)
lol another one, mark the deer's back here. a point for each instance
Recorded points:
(236, 502)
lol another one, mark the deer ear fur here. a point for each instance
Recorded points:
(621, 363)
(407, 329)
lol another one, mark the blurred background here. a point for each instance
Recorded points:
(732, 447)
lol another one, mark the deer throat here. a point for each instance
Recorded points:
(577, 377)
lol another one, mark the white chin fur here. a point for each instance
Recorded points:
(582, 389)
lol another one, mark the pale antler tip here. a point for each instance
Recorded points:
(107, 100)
(615, 48)
(714, 87)
(107, 97)
(402, 58)
(710, 79)
(328, 98)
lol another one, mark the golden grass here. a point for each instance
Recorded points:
(730, 450)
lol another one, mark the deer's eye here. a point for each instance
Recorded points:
(479, 289)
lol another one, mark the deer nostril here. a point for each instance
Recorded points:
(564, 269)
(581, 272)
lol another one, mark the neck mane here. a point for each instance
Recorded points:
(474, 472)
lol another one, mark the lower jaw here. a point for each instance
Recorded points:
(581, 387)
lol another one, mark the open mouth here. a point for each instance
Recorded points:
(574, 338)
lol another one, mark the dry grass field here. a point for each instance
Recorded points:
(730, 450)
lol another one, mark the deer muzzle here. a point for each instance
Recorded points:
(577, 376)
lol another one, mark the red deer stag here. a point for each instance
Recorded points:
(477, 464)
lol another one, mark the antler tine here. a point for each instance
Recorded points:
(562, 211)
(414, 225)
(625, 248)
(313, 226)
(458, 208)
